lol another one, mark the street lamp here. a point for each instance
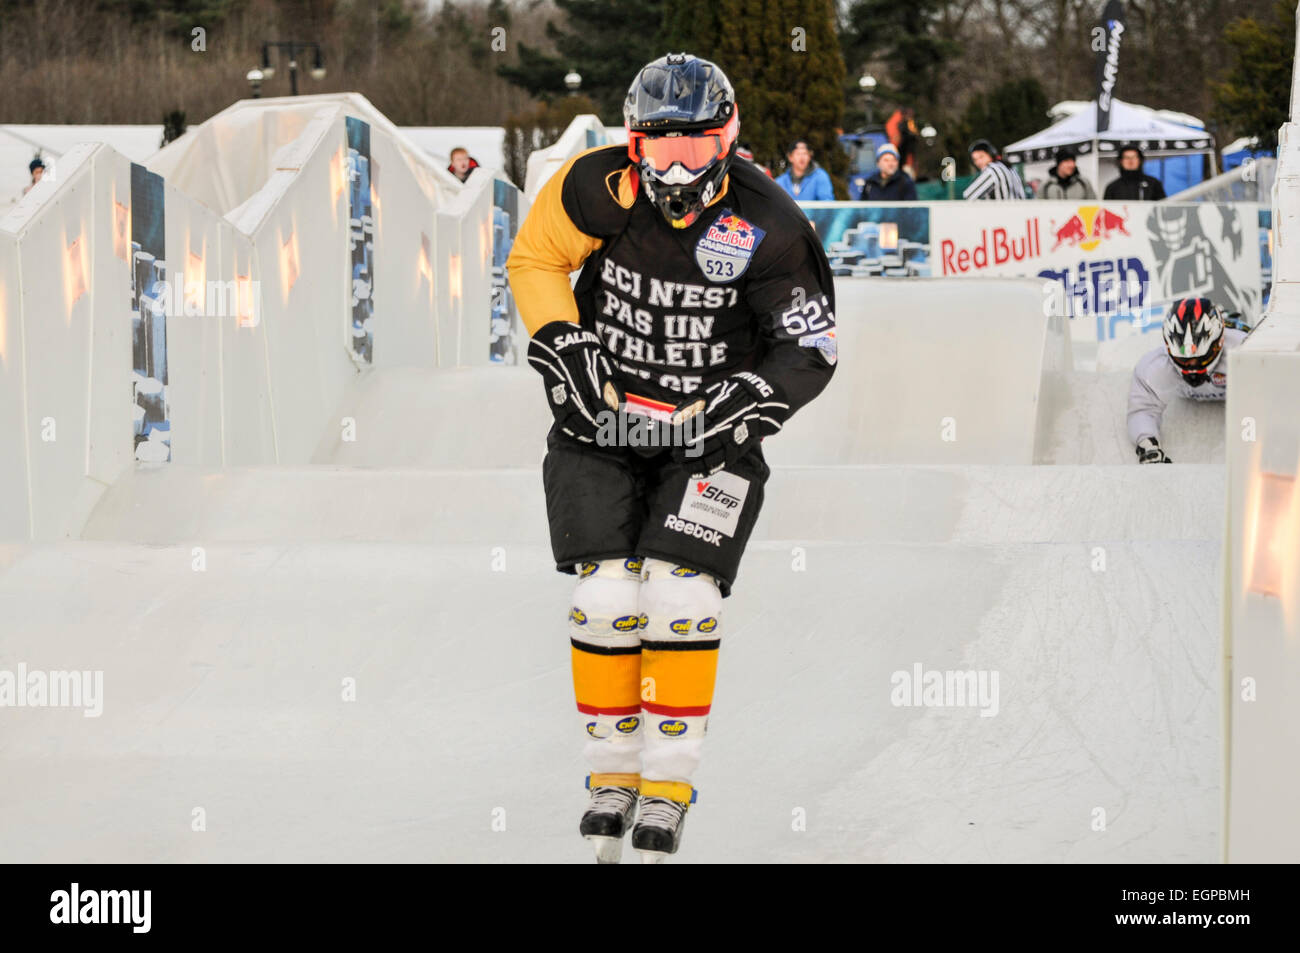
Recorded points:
(867, 83)
(292, 48)
(255, 77)
(573, 81)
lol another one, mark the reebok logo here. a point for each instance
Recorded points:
(687, 528)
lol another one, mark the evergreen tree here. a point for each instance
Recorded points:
(1007, 113)
(785, 63)
(905, 36)
(1254, 98)
(605, 41)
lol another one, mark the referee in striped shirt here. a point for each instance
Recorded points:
(996, 180)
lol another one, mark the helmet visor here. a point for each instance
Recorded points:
(1197, 363)
(695, 152)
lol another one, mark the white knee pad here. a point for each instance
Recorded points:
(604, 610)
(678, 603)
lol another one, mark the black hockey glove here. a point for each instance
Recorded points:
(736, 413)
(1148, 451)
(579, 377)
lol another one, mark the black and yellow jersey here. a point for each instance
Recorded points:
(745, 287)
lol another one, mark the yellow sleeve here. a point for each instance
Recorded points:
(549, 246)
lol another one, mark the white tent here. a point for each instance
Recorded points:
(19, 144)
(1156, 134)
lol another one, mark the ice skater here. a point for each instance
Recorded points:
(705, 304)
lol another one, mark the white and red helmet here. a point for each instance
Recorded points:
(1193, 335)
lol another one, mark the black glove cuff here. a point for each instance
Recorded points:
(774, 407)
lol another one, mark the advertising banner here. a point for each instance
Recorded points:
(875, 241)
(1106, 42)
(1118, 263)
(505, 317)
(361, 191)
(149, 299)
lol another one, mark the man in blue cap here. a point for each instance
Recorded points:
(889, 183)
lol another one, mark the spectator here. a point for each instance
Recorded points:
(1064, 181)
(996, 180)
(804, 179)
(37, 168)
(888, 183)
(901, 130)
(462, 163)
(1133, 183)
(745, 152)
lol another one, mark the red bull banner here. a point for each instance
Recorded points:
(1118, 263)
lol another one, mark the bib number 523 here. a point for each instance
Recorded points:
(806, 320)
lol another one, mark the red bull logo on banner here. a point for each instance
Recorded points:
(997, 246)
(1089, 227)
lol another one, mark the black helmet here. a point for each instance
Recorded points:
(682, 122)
(1193, 334)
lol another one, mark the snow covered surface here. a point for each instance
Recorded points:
(222, 687)
(414, 560)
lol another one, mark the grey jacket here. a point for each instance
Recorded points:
(1076, 188)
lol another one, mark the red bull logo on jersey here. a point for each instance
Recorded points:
(726, 247)
(1088, 228)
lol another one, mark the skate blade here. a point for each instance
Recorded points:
(609, 850)
(652, 856)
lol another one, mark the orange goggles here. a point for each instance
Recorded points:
(695, 151)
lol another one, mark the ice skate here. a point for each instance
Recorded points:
(658, 830)
(609, 814)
